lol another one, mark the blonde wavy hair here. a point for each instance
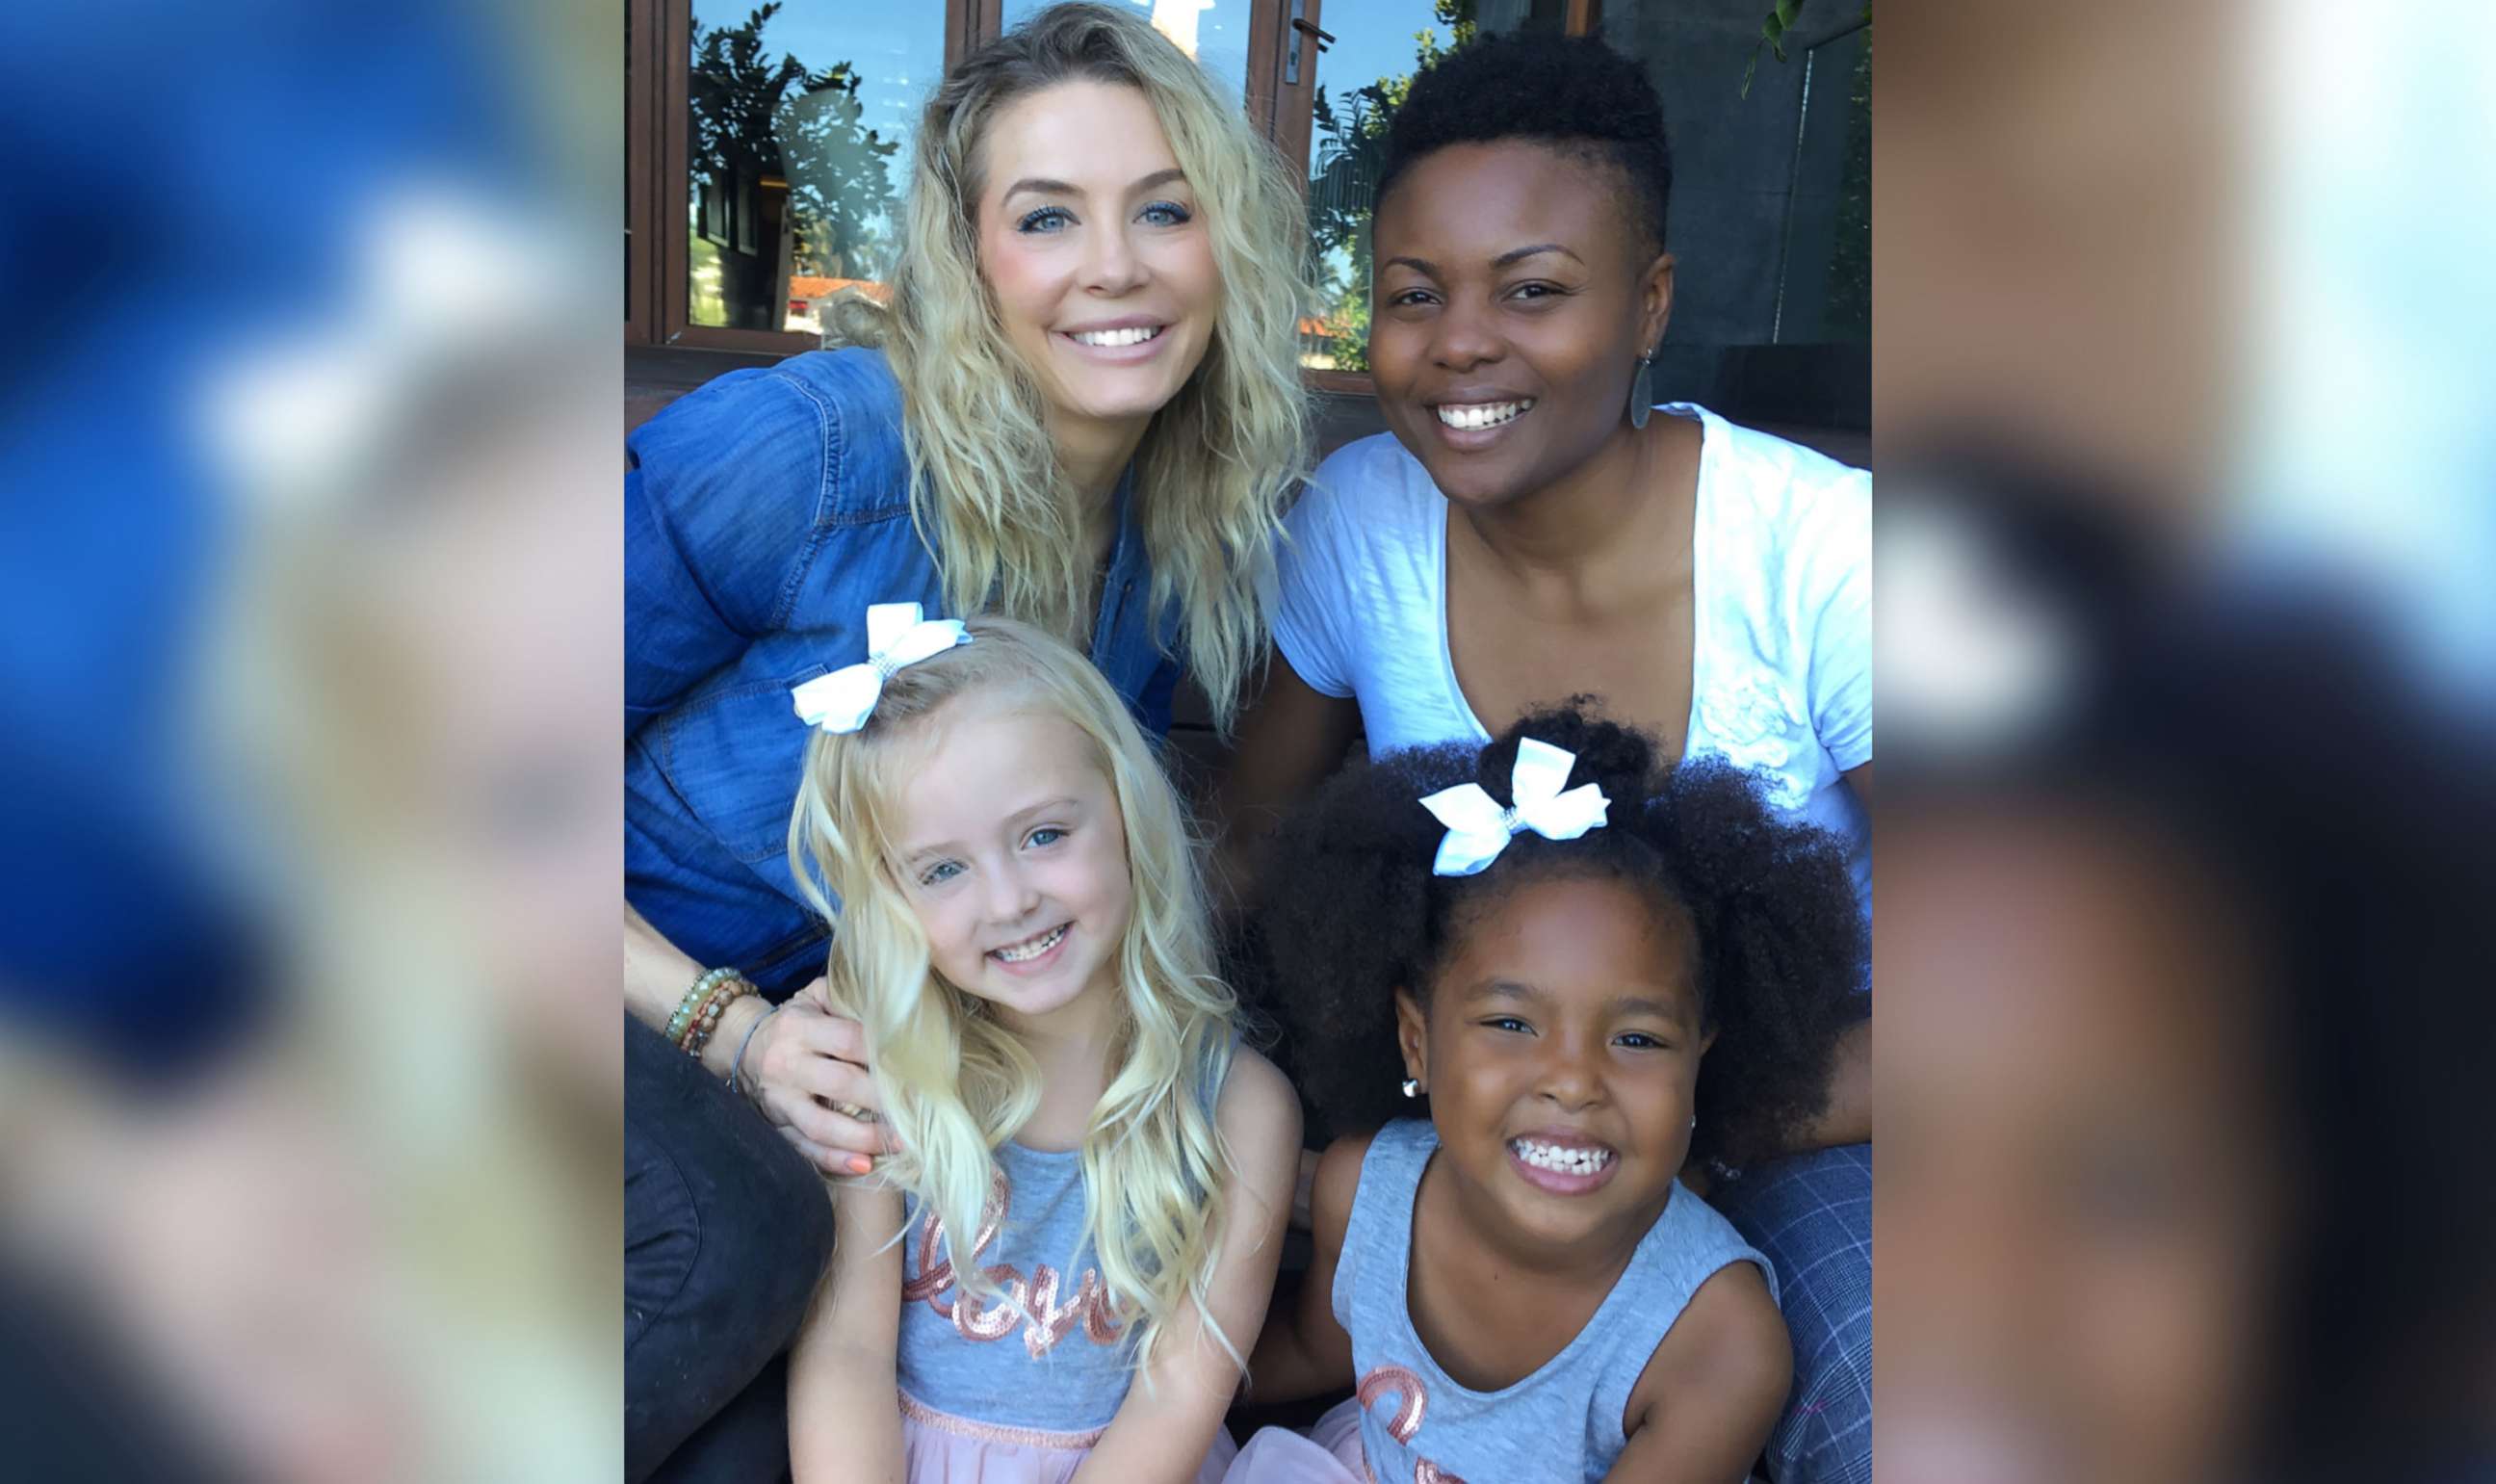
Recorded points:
(985, 487)
(955, 1083)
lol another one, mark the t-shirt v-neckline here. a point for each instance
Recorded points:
(1463, 704)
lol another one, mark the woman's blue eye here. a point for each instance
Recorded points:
(939, 873)
(1045, 219)
(1045, 835)
(1167, 213)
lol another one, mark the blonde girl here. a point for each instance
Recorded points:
(1057, 1272)
(1080, 409)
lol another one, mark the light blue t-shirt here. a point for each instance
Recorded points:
(1781, 660)
(1561, 1422)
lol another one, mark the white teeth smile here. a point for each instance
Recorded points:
(1137, 335)
(1031, 948)
(1562, 1159)
(1483, 414)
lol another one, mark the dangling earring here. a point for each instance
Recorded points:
(1412, 1087)
(1643, 392)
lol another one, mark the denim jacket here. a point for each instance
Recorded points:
(762, 513)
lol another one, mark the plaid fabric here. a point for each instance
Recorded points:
(1812, 1215)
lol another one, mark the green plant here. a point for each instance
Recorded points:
(754, 120)
(1773, 35)
(1351, 146)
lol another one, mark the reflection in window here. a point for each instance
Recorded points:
(1378, 49)
(1214, 32)
(798, 153)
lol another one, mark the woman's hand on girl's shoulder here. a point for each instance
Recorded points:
(806, 1066)
(1702, 1408)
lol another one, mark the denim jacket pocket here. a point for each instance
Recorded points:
(793, 962)
(736, 757)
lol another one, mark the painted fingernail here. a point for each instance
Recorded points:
(859, 1164)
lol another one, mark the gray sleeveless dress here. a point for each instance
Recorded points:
(1013, 1392)
(1415, 1425)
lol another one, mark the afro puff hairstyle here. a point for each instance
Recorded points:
(1357, 912)
(1574, 93)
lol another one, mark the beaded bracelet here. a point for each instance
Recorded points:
(698, 1015)
(706, 1022)
(692, 1001)
(706, 1025)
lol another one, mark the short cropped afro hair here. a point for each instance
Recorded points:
(1573, 93)
(1353, 912)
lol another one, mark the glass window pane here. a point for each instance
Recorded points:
(799, 152)
(1825, 293)
(1379, 46)
(1214, 32)
(1770, 220)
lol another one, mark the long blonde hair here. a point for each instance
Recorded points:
(1210, 476)
(955, 1083)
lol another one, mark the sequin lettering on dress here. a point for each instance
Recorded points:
(1032, 1304)
(1396, 1382)
(1412, 1403)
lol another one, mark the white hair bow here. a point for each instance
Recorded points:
(1479, 829)
(896, 635)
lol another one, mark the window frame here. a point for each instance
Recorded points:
(641, 68)
(657, 149)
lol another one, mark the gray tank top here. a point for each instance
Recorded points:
(1055, 1359)
(1563, 1421)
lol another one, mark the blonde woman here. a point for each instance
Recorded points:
(1094, 1175)
(1084, 413)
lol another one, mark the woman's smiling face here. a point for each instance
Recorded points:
(1095, 247)
(1512, 300)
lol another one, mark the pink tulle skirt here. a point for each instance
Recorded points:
(939, 1448)
(1329, 1454)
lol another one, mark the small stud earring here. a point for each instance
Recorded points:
(1412, 1087)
